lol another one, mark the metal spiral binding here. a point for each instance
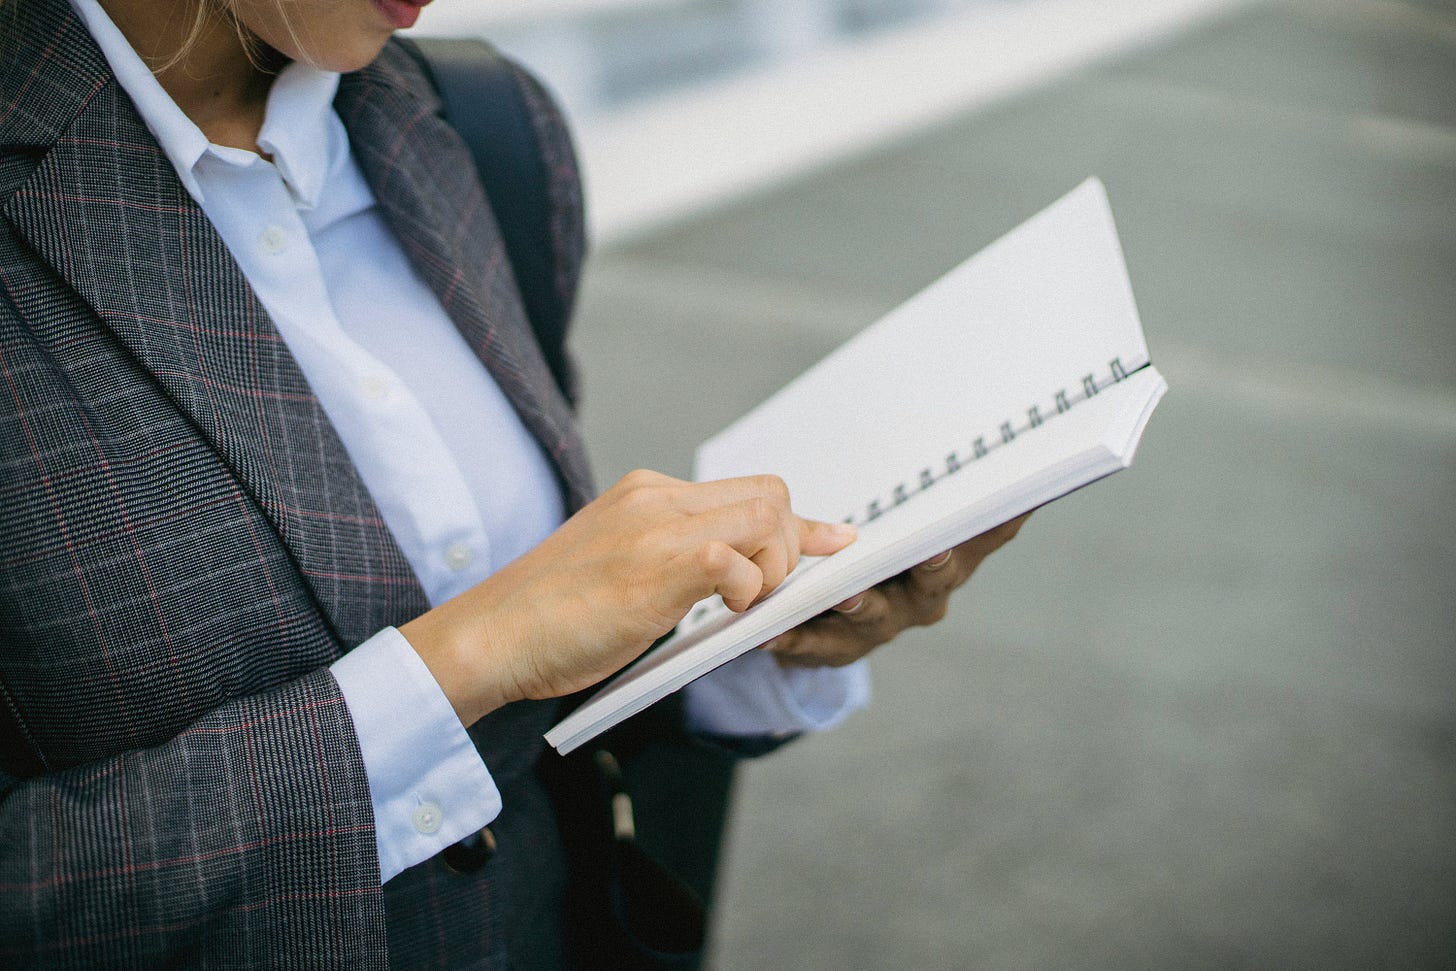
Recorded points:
(1005, 435)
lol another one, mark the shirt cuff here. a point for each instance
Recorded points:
(755, 695)
(427, 782)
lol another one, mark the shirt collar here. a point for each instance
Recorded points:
(295, 122)
(299, 130)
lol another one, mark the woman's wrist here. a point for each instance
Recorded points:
(452, 643)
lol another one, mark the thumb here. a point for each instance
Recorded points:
(821, 539)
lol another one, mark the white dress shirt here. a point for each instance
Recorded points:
(462, 485)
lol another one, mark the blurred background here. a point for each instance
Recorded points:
(1201, 715)
(600, 55)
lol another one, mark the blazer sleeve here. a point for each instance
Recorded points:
(247, 840)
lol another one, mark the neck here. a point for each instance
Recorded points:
(208, 72)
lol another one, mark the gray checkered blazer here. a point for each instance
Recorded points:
(185, 547)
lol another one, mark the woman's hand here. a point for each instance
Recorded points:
(615, 577)
(916, 598)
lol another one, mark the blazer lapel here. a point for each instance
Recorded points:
(105, 209)
(424, 178)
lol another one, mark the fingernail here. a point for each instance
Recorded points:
(852, 606)
(935, 563)
(844, 530)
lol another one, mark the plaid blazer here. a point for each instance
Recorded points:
(185, 547)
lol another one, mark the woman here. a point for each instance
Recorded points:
(283, 479)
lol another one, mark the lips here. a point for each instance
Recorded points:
(401, 14)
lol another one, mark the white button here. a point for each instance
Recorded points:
(375, 388)
(428, 818)
(458, 557)
(273, 240)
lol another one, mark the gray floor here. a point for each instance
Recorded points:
(1200, 715)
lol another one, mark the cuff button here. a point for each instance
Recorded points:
(428, 818)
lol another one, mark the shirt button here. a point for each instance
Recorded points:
(458, 556)
(375, 388)
(274, 240)
(428, 818)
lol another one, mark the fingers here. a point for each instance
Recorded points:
(916, 598)
(868, 610)
(762, 496)
(843, 634)
(941, 574)
(821, 539)
(698, 497)
(858, 625)
(750, 516)
(819, 644)
(808, 536)
(993, 539)
(730, 574)
(756, 529)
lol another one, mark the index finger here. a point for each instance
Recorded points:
(820, 539)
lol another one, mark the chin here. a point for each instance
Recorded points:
(342, 55)
(356, 57)
(353, 63)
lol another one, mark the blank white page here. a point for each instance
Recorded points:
(1030, 315)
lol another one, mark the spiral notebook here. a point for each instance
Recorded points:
(1015, 379)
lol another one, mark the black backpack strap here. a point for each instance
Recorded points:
(527, 167)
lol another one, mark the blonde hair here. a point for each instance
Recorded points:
(257, 50)
(203, 13)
